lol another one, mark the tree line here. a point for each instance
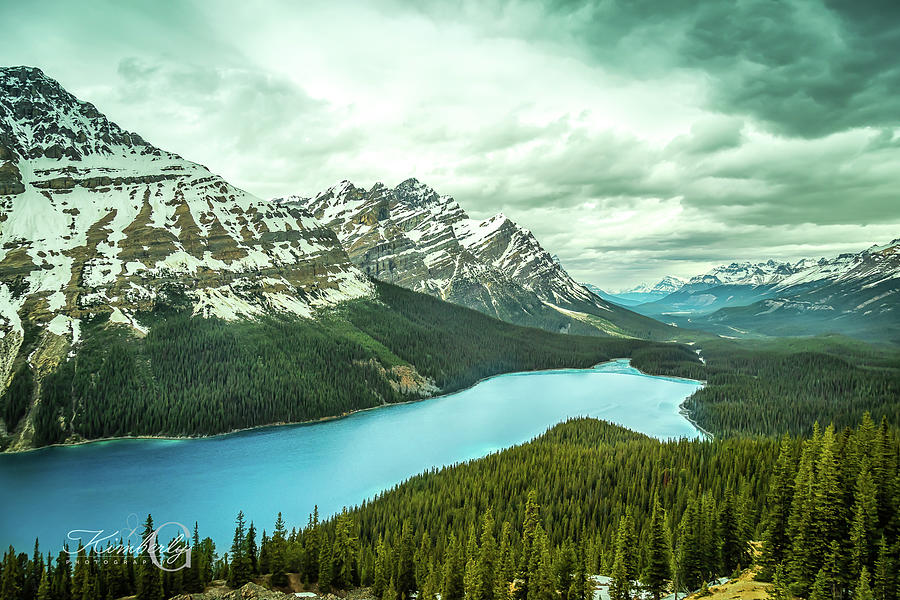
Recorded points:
(534, 522)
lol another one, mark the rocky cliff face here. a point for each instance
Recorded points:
(93, 218)
(416, 238)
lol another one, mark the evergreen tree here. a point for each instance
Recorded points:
(149, 579)
(779, 589)
(627, 546)
(865, 522)
(863, 590)
(277, 554)
(733, 544)
(620, 585)
(44, 591)
(885, 580)
(251, 551)
(505, 571)
(658, 570)
(690, 557)
(406, 569)
(325, 564)
(541, 578)
(528, 559)
(454, 565)
(432, 585)
(240, 569)
(12, 577)
(487, 557)
(344, 553)
(380, 576)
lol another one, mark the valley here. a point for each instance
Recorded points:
(378, 392)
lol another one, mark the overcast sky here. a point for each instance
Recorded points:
(635, 138)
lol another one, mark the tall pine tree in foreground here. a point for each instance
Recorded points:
(658, 570)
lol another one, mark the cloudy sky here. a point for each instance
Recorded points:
(635, 138)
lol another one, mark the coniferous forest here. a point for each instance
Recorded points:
(818, 514)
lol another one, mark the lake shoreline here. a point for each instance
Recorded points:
(176, 438)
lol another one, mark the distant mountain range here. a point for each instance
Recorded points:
(414, 237)
(645, 292)
(854, 294)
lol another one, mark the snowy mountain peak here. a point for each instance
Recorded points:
(667, 284)
(42, 120)
(417, 238)
(746, 273)
(95, 220)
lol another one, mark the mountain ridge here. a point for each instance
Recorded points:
(414, 237)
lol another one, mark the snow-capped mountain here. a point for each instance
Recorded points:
(648, 292)
(854, 294)
(416, 238)
(745, 273)
(94, 219)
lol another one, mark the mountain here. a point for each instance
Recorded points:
(414, 237)
(735, 284)
(648, 292)
(607, 296)
(853, 294)
(141, 294)
(94, 217)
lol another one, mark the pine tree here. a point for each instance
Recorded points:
(432, 586)
(690, 559)
(453, 586)
(565, 569)
(863, 590)
(44, 592)
(734, 546)
(779, 589)
(506, 570)
(390, 592)
(12, 577)
(528, 560)
(658, 571)
(277, 555)
(380, 577)
(251, 552)
(487, 557)
(620, 586)
(149, 580)
(541, 577)
(406, 568)
(806, 545)
(865, 521)
(240, 570)
(627, 546)
(344, 553)
(325, 564)
(885, 579)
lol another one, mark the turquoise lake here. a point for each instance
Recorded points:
(111, 486)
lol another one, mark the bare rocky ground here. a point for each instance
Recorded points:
(253, 591)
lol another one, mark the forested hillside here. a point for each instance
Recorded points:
(784, 386)
(532, 522)
(196, 376)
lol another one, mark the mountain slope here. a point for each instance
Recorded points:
(418, 239)
(853, 294)
(95, 218)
